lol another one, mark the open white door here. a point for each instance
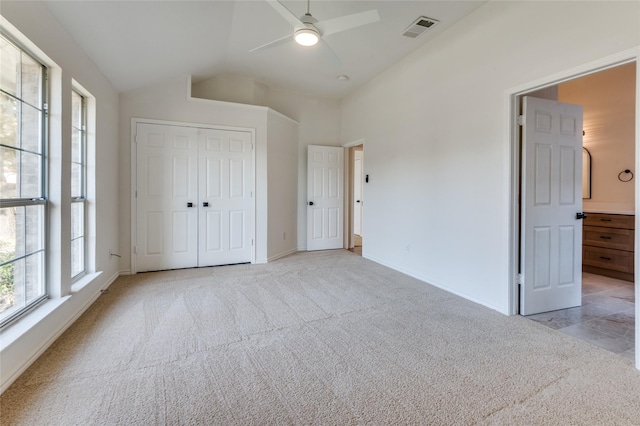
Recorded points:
(167, 196)
(324, 197)
(357, 192)
(551, 228)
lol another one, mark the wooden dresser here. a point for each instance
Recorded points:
(607, 245)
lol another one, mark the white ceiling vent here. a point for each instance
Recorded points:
(419, 26)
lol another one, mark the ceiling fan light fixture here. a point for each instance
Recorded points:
(307, 37)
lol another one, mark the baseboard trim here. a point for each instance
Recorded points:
(281, 255)
(436, 284)
(57, 333)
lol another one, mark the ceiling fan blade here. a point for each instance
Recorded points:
(285, 13)
(273, 43)
(330, 54)
(343, 23)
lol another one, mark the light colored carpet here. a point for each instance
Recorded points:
(316, 338)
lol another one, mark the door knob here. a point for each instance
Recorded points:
(310, 203)
(581, 215)
(189, 204)
(205, 204)
(357, 201)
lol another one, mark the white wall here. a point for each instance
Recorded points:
(231, 88)
(22, 342)
(609, 103)
(438, 202)
(319, 120)
(282, 159)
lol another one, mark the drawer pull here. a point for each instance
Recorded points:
(605, 220)
(605, 258)
(604, 237)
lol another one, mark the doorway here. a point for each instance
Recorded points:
(356, 198)
(357, 186)
(607, 316)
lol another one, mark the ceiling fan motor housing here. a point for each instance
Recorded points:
(307, 36)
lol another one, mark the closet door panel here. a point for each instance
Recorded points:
(226, 193)
(167, 178)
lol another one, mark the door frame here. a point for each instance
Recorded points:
(348, 192)
(511, 99)
(357, 151)
(134, 176)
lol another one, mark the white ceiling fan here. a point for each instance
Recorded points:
(308, 31)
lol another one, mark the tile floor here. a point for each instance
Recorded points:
(606, 317)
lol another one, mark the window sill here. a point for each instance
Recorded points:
(22, 326)
(78, 285)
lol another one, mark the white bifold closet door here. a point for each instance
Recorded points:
(194, 197)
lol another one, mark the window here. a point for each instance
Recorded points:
(78, 183)
(23, 203)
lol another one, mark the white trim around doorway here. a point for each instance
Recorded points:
(348, 193)
(513, 159)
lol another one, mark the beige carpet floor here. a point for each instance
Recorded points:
(325, 338)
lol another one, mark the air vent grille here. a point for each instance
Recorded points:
(419, 26)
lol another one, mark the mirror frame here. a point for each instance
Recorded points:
(586, 174)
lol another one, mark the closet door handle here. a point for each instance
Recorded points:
(205, 204)
(189, 205)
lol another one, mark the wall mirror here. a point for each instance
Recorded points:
(586, 174)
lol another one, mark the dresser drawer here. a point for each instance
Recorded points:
(616, 260)
(614, 238)
(622, 221)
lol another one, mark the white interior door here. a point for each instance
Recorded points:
(357, 192)
(225, 199)
(167, 195)
(324, 197)
(551, 232)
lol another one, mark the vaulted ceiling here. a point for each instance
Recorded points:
(137, 43)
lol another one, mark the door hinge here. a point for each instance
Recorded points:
(521, 120)
(135, 138)
(252, 241)
(135, 250)
(136, 193)
(520, 279)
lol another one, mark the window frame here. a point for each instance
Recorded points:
(42, 199)
(82, 198)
